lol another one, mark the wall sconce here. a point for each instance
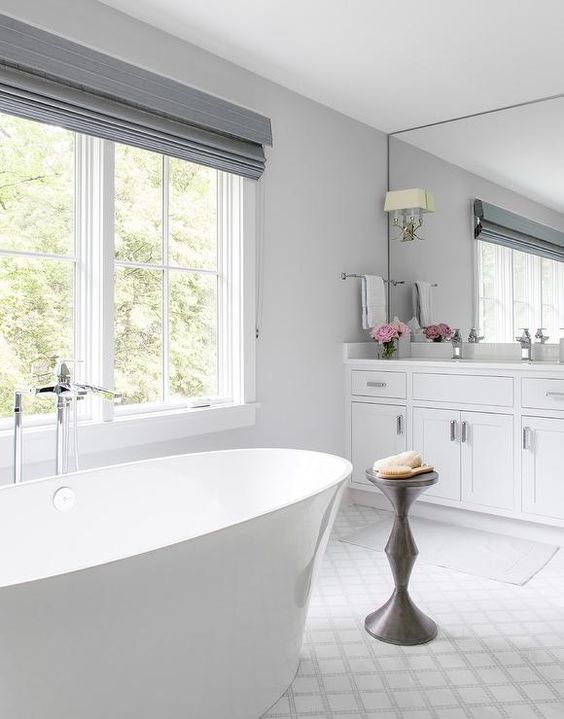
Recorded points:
(408, 207)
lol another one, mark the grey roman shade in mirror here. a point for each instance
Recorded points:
(47, 78)
(494, 224)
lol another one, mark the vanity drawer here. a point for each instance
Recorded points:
(542, 393)
(463, 389)
(379, 384)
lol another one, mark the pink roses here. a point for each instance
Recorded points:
(387, 334)
(438, 333)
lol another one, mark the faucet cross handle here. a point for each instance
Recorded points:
(525, 337)
(474, 337)
(61, 369)
(540, 335)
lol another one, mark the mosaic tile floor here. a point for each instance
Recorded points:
(499, 653)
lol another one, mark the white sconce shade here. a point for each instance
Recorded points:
(409, 200)
(408, 207)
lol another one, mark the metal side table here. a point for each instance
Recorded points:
(399, 621)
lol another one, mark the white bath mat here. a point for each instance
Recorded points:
(486, 554)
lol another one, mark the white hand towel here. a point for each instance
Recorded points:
(410, 459)
(373, 301)
(423, 303)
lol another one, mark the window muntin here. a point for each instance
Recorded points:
(174, 248)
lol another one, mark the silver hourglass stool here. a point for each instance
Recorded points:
(399, 621)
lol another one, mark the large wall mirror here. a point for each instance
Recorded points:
(492, 252)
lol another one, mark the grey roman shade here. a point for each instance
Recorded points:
(47, 78)
(494, 224)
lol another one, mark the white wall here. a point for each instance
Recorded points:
(324, 189)
(447, 254)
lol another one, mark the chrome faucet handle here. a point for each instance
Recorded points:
(61, 370)
(473, 337)
(540, 336)
(456, 336)
(41, 369)
(525, 337)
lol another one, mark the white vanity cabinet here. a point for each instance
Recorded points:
(377, 430)
(465, 448)
(435, 435)
(487, 459)
(493, 430)
(543, 471)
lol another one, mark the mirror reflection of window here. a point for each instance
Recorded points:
(516, 290)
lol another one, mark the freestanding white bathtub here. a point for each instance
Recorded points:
(174, 588)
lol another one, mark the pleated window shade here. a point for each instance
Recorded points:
(47, 78)
(494, 224)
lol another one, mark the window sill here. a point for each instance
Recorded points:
(131, 431)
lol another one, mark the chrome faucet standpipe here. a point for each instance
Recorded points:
(18, 417)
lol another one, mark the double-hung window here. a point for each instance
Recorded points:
(127, 224)
(127, 262)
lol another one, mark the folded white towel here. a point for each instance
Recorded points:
(423, 303)
(373, 301)
(411, 459)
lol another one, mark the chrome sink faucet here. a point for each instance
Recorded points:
(473, 337)
(540, 335)
(456, 340)
(526, 344)
(66, 391)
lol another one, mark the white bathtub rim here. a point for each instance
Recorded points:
(93, 470)
(340, 480)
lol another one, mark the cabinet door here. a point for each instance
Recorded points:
(543, 485)
(436, 435)
(378, 430)
(487, 459)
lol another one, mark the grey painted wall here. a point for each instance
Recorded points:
(447, 254)
(324, 189)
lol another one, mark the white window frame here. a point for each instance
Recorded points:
(94, 312)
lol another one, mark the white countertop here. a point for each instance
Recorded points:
(362, 354)
(475, 364)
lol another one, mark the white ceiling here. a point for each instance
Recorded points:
(521, 149)
(389, 63)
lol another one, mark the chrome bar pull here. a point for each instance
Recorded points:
(526, 438)
(376, 384)
(399, 424)
(453, 424)
(464, 433)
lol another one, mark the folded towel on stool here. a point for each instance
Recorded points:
(410, 459)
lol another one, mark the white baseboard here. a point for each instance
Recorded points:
(464, 518)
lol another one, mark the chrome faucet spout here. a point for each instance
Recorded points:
(104, 392)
